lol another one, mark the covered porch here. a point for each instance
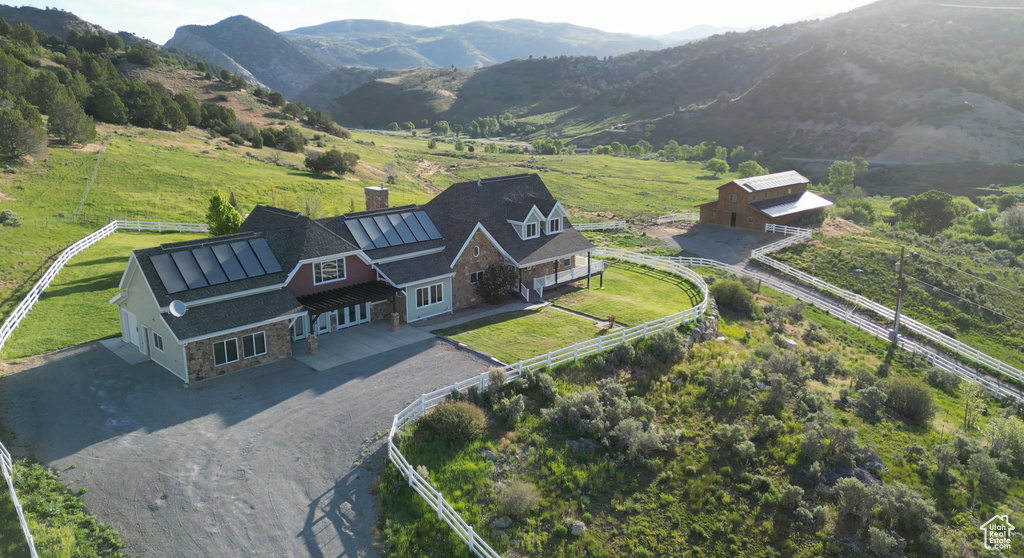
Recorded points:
(589, 268)
(337, 309)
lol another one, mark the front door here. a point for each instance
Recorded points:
(732, 222)
(130, 326)
(353, 315)
(144, 341)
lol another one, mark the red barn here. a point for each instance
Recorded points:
(751, 203)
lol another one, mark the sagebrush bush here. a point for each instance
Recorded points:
(941, 379)
(510, 409)
(457, 421)
(516, 498)
(910, 399)
(733, 296)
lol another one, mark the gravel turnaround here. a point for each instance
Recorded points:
(275, 461)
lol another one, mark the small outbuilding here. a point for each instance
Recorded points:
(751, 203)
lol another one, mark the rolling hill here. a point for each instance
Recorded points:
(897, 80)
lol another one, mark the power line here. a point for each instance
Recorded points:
(975, 277)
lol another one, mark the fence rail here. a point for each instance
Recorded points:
(159, 226)
(683, 216)
(7, 469)
(603, 226)
(428, 401)
(562, 276)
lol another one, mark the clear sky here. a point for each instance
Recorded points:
(156, 20)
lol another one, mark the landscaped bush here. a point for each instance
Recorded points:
(910, 399)
(732, 296)
(497, 284)
(457, 421)
(516, 498)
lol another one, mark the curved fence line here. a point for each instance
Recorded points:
(428, 401)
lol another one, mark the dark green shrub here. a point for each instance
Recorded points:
(499, 281)
(910, 399)
(732, 296)
(510, 409)
(9, 218)
(457, 421)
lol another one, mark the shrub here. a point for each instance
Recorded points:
(792, 496)
(510, 409)
(666, 347)
(731, 295)
(9, 218)
(621, 356)
(638, 442)
(871, 399)
(498, 282)
(768, 428)
(941, 379)
(911, 399)
(884, 544)
(787, 365)
(457, 421)
(516, 498)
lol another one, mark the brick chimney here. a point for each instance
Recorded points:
(376, 197)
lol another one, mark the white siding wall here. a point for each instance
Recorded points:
(140, 302)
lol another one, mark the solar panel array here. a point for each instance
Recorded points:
(393, 229)
(212, 265)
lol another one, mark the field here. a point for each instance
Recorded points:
(726, 468)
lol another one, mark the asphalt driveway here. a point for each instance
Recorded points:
(275, 461)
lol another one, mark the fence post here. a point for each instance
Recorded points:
(472, 539)
(440, 506)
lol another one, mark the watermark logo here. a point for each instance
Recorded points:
(997, 532)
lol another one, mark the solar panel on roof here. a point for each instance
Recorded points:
(189, 269)
(169, 274)
(247, 258)
(265, 255)
(376, 236)
(362, 239)
(428, 225)
(228, 262)
(415, 227)
(388, 229)
(401, 228)
(208, 263)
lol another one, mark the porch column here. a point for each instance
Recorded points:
(589, 269)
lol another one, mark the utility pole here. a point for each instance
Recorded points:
(900, 287)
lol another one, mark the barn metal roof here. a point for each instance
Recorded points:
(769, 181)
(788, 205)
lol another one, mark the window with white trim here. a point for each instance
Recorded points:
(432, 294)
(475, 277)
(254, 344)
(476, 251)
(531, 230)
(554, 225)
(732, 198)
(225, 352)
(158, 342)
(325, 272)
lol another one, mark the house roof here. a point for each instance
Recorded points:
(770, 181)
(411, 270)
(789, 205)
(209, 320)
(493, 202)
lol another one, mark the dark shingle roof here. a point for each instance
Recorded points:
(493, 202)
(769, 181)
(209, 319)
(410, 270)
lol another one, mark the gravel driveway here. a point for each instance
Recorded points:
(276, 461)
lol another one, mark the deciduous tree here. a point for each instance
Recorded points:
(716, 166)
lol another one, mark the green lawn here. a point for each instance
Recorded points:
(633, 293)
(515, 336)
(75, 308)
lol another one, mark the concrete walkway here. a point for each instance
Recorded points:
(355, 343)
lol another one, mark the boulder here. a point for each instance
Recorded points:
(578, 528)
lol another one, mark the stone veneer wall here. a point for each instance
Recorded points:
(463, 292)
(548, 268)
(199, 354)
(383, 310)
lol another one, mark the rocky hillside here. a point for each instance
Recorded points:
(383, 44)
(897, 80)
(253, 50)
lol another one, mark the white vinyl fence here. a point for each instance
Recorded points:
(940, 339)
(428, 401)
(674, 217)
(157, 226)
(603, 226)
(7, 468)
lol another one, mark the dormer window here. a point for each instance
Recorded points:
(531, 230)
(555, 225)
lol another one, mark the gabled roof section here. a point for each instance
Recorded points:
(388, 233)
(770, 181)
(208, 320)
(310, 239)
(492, 202)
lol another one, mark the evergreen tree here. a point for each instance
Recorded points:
(222, 218)
(19, 137)
(68, 122)
(5, 28)
(106, 106)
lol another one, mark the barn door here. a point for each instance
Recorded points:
(732, 222)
